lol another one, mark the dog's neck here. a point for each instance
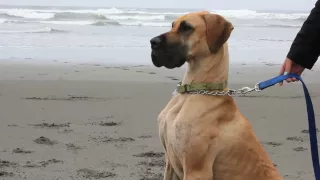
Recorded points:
(213, 68)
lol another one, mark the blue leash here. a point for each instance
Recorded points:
(311, 117)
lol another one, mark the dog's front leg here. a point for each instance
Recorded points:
(169, 173)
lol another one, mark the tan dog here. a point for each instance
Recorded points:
(205, 137)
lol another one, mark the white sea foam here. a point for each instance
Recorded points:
(250, 14)
(41, 30)
(27, 13)
(133, 16)
(140, 23)
(68, 22)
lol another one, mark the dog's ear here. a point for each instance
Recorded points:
(218, 31)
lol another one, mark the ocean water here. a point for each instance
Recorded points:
(121, 36)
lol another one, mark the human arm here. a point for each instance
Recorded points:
(305, 48)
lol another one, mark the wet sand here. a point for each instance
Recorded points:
(90, 121)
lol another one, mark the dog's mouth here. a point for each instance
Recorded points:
(173, 57)
(169, 61)
(154, 59)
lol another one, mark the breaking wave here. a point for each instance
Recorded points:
(128, 16)
(77, 16)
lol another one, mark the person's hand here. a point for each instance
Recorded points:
(288, 67)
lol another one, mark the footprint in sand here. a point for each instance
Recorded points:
(121, 139)
(153, 163)
(73, 147)
(45, 141)
(6, 174)
(92, 174)
(150, 154)
(7, 164)
(12, 125)
(295, 138)
(153, 160)
(30, 164)
(65, 131)
(300, 149)
(306, 131)
(105, 121)
(172, 78)
(51, 125)
(109, 123)
(145, 136)
(107, 139)
(274, 144)
(21, 151)
(148, 174)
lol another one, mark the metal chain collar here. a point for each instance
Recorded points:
(229, 92)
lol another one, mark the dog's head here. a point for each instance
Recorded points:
(192, 35)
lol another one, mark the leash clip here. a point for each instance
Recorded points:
(257, 87)
(246, 90)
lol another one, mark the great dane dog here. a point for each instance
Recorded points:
(205, 137)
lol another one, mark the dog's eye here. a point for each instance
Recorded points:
(184, 26)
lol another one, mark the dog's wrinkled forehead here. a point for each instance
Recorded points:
(192, 19)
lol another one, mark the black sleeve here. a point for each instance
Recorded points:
(305, 49)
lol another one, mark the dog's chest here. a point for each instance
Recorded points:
(171, 132)
(166, 123)
(180, 130)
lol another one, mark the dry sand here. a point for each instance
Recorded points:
(80, 121)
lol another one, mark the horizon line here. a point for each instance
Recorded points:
(128, 7)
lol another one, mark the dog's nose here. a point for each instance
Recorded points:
(156, 42)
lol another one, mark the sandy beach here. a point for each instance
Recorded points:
(67, 121)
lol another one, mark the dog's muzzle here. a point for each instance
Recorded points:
(165, 54)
